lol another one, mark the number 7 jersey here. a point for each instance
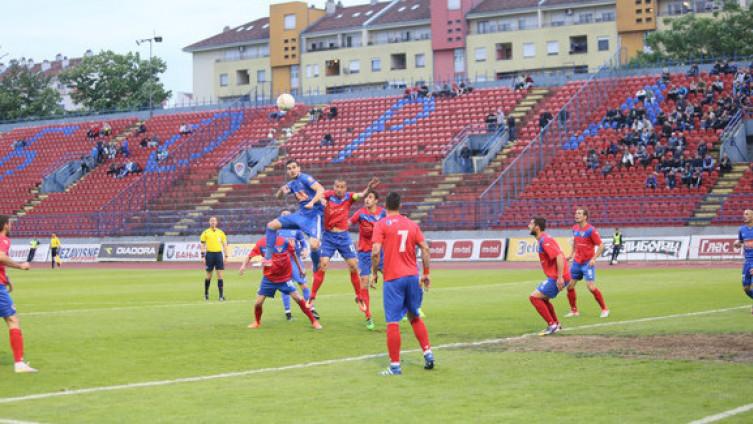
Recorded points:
(399, 237)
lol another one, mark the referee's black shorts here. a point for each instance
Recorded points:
(215, 260)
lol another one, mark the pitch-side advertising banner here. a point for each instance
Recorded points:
(649, 249)
(20, 253)
(79, 253)
(468, 250)
(527, 249)
(238, 252)
(714, 247)
(125, 252)
(181, 252)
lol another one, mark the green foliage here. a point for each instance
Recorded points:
(26, 94)
(111, 81)
(690, 37)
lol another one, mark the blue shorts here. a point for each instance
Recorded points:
(549, 288)
(7, 309)
(307, 220)
(579, 271)
(364, 263)
(747, 278)
(400, 296)
(214, 260)
(297, 277)
(337, 242)
(269, 288)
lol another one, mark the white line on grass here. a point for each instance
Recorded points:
(335, 361)
(199, 303)
(7, 421)
(724, 415)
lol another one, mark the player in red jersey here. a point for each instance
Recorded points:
(554, 264)
(403, 291)
(366, 218)
(7, 309)
(277, 277)
(585, 239)
(336, 238)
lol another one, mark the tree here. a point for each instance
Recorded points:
(725, 34)
(26, 94)
(111, 81)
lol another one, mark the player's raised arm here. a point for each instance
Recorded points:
(373, 183)
(318, 197)
(282, 191)
(426, 259)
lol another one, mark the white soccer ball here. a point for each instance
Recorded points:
(285, 101)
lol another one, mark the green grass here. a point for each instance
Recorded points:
(91, 328)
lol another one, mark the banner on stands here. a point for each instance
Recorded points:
(527, 249)
(21, 253)
(182, 252)
(79, 253)
(714, 247)
(137, 252)
(649, 249)
(468, 250)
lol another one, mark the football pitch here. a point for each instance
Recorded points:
(141, 345)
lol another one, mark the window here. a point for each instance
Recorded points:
(223, 80)
(459, 61)
(529, 50)
(607, 16)
(294, 76)
(603, 43)
(453, 4)
(316, 70)
(261, 76)
(578, 44)
(354, 66)
(482, 27)
(332, 68)
(522, 23)
(504, 51)
(242, 77)
(309, 71)
(585, 18)
(398, 61)
(480, 54)
(552, 48)
(376, 64)
(420, 60)
(289, 22)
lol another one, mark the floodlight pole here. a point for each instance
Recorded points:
(155, 39)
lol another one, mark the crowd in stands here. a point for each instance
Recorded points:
(659, 138)
(318, 114)
(446, 90)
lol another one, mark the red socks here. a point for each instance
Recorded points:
(366, 301)
(393, 342)
(599, 298)
(306, 310)
(257, 313)
(318, 281)
(17, 344)
(355, 280)
(551, 310)
(571, 297)
(543, 309)
(419, 329)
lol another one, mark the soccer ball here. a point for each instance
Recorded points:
(285, 102)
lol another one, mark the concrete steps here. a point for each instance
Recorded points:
(708, 209)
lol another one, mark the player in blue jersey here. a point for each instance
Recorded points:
(308, 218)
(745, 240)
(298, 240)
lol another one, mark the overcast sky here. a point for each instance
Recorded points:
(39, 29)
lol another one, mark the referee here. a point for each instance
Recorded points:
(54, 250)
(214, 251)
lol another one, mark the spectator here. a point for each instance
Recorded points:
(708, 163)
(271, 134)
(528, 82)
(277, 115)
(162, 154)
(520, 82)
(671, 180)
(592, 160)
(124, 148)
(694, 71)
(93, 132)
(697, 180)
(152, 142)
(332, 112)
(84, 166)
(717, 85)
(686, 177)
(651, 181)
(511, 128)
(702, 149)
(423, 91)
(144, 142)
(491, 122)
(627, 158)
(697, 162)
(500, 118)
(185, 129)
(141, 129)
(665, 76)
(642, 156)
(612, 149)
(114, 170)
(716, 69)
(725, 165)
(641, 95)
(544, 119)
(95, 153)
(19, 144)
(607, 168)
(465, 158)
(327, 140)
(106, 130)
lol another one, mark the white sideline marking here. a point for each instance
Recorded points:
(7, 421)
(335, 361)
(203, 303)
(724, 415)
